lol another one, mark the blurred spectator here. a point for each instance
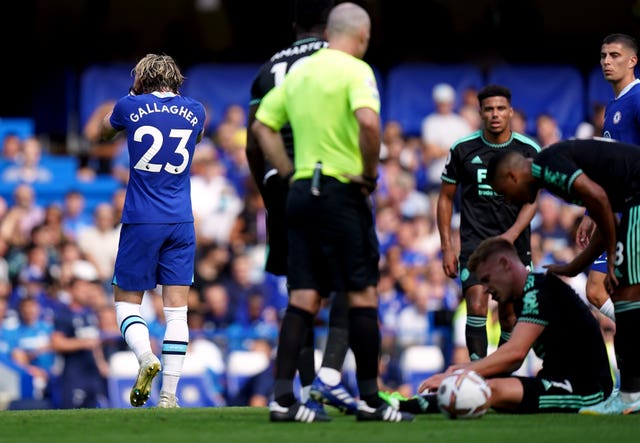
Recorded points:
(205, 359)
(99, 242)
(258, 389)
(212, 265)
(215, 202)
(216, 310)
(249, 228)
(101, 153)
(33, 282)
(519, 121)
(392, 130)
(11, 148)
(234, 119)
(120, 164)
(413, 259)
(471, 115)
(414, 320)
(53, 222)
(230, 139)
(43, 236)
(74, 217)
(595, 126)
(28, 169)
(391, 302)
(546, 228)
(8, 325)
(470, 108)
(547, 130)
(76, 337)
(31, 345)
(155, 319)
(387, 222)
(22, 217)
(110, 336)
(4, 265)
(445, 292)
(61, 272)
(236, 163)
(427, 238)
(441, 129)
(262, 320)
(404, 196)
(445, 297)
(240, 285)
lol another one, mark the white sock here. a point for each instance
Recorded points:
(133, 327)
(608, 309)
(329, 376)
(174, 347)
(304, 395)
(630, 397)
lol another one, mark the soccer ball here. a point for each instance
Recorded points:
(464, 394)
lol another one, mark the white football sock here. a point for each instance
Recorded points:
(174, 347)
(330, 376)
(608, 309)
(133, 327)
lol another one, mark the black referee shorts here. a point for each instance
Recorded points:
(275, 202)
(333, 244)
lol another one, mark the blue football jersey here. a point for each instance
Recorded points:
(162, 131)
(622, 116)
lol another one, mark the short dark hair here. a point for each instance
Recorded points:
(503, 156)
(625, 39)
(487, 248)
(308, 14)
(494, 91)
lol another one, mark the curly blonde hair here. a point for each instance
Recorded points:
(157, 73)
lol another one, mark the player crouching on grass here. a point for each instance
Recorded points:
(552, 320)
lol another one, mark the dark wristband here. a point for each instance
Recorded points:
(370, 182)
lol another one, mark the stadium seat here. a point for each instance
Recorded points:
(15, 381)
(420, 362)
(408, 90)
(202, 379)
(99, 83)
(22, 127)
(557, 90)
(241, 366)
(96, 191)
(219, 86)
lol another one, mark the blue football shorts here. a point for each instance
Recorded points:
(600, 264)
(154, 254)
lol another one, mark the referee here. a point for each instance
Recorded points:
(332, 104)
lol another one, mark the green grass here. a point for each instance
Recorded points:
(230, 425)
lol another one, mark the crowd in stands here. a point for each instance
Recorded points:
(60, 256)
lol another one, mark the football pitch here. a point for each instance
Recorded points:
(246, 425)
